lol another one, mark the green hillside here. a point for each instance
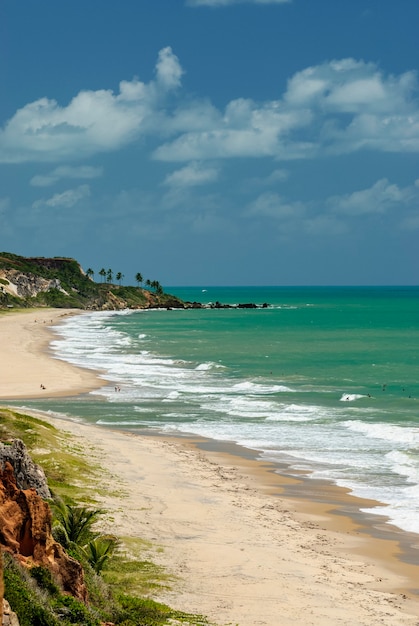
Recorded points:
(62, 283)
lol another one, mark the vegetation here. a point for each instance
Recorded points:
(99, 551)
(119, 577)
(73, 524)
(70, 287)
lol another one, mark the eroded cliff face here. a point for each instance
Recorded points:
(28, 474)
(25, 532)
(25, 285)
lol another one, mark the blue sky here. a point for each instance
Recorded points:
(213, 142)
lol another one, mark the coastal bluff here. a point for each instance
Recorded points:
(30, 282)
(26, 527)
(26, 520)
(33, 282)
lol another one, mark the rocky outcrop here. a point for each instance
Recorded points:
(27, 285)
(9, 617)
(61, 283)
(28, 475)
(25, 532)
(219, 305)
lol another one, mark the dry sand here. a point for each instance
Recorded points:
(26, 363)
(249, 546)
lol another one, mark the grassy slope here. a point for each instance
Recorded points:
(82, 292)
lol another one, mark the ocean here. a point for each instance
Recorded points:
(325, 379)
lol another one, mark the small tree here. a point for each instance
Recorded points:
(139, 278)
(99, 550)
(73, 524)
(119, 277)
(154, 284)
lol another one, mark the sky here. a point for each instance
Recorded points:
(213, 142)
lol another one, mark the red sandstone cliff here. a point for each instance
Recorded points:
(25, 532)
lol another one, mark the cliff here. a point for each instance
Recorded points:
(62, 283)
(25, 532)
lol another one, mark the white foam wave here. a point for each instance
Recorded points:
(351, 397)
(199, 397)
(406, 464)
(205, 367)
(250, 386)
(132, 423)
(298, 413)
(402, 435)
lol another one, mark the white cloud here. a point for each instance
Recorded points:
(191, 176)
(379, 198)
(245, 130)
(337, 214)
(168, 69)
(271, 204)
(350, 86)
(337, 107)
(222, 3)
(66, 171)
(94, 121)
(66, 199)
(334, 108)
(324, 225)
(275, 177)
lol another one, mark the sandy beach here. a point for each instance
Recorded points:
(26, 362)
(249, 546)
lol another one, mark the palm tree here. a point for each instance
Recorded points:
(99, 550)
(103, 274)
(154, 284)
(109, 275)
(119, 277)
(90, 273)
(139, 278)
(73, 524)
(148, 282)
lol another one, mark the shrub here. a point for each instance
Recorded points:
(23, 598)
(74, 612)
(43, 577)
(99, 551)
(73, 524)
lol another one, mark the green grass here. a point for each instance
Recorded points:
(69, 470)
(132, 571)
(77, 290)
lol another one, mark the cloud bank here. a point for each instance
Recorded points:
(338, 107)
(94, 121)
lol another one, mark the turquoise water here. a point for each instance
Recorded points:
(326, 379)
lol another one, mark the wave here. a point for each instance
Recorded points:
(351, 397)
(402, 435)
(331, 435)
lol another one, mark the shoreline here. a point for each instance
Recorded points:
(248, 541)
(27, 361)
